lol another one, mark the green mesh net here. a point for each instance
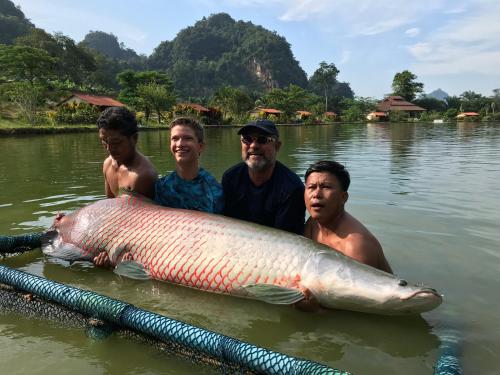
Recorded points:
(223, 350)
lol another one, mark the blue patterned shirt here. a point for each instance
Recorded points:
(203, 193)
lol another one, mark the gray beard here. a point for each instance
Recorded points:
(261, 165)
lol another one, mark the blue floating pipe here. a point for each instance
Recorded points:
(223, 348)
(448, 362)
(12, 244)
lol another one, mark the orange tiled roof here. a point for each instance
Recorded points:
(270, 111)
(397, 103)
(102, 101)
(304, 113)
(196, 107)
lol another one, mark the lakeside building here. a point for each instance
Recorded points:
(191, 107)
(464, 115)
(377, 116)
(260, 112)
(100, 101)
(395, 103)
(330, 115)
(302, 115)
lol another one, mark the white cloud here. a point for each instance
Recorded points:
(468, 44)
(413, 32)
(364, 17)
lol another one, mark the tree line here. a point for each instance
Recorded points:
(232, 66)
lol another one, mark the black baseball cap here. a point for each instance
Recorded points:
(265, 126)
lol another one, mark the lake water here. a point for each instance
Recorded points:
(428, 192)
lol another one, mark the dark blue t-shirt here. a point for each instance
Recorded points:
(279, 203)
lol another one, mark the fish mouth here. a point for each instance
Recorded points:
(49, 236)
(424, 293)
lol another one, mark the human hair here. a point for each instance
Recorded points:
(118, 118)
(191, 123)
(332, 167)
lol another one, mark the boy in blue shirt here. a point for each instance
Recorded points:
(189, 186)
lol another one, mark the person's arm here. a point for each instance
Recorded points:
(107, 189)
(291, 213)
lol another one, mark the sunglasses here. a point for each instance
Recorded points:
(261, 139)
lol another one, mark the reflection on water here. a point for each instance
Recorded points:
(429, 193)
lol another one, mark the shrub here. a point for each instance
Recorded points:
(77, 113)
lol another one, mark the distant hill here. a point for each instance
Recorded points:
(13, 22)
(108, 45)
(438, 94)
(220, 51)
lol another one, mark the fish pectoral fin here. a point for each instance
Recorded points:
(64, 251)
(132, 269)
(274, 294)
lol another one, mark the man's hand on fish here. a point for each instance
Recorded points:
(102, 259)
(309, 303)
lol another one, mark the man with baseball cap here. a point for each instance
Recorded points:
(261, 189)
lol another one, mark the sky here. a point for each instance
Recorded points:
(449, 44)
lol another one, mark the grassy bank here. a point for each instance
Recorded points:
(10, 127)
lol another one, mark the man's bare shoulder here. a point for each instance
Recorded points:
(107, 163)
(146, 166)
(308, 228)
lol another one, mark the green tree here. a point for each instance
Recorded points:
(289, 100)
(404, 85)
(231, 100)
(473, 102)
(431, 104)
(23, 63)
(156, 97)
(72, 62)
(24, 73)
(130, 80)
(325, 77)
(355, 110)
(454, 102)
(27, 98)
(495, 101)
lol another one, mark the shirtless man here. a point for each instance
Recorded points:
(325, 196)
(125, 169)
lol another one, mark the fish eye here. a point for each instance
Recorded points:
(403, 282)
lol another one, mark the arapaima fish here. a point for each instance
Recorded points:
(224, 255)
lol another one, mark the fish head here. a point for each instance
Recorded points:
(62, 238)
(339, 282)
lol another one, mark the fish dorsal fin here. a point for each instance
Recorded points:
(132, 269)
(274, 294)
